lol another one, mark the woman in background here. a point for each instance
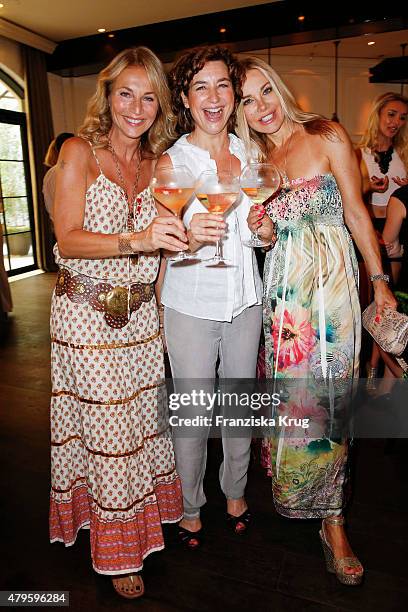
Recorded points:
(384, 152)
(6, 302)
(51, 159)
(383, 156)
(395, 236)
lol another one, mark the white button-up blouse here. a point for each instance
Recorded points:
(218, 294)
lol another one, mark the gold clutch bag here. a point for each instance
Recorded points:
(390, 332)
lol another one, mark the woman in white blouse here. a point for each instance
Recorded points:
(383, 156)
(211, 315)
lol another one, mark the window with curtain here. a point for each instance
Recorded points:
(16, 206)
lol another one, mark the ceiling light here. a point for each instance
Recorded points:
(1, 5)
(223, 30)
(101, 30)
(111, 36)
(372, 42)
(301, 18)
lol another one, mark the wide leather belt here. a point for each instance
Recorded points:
(117, 302)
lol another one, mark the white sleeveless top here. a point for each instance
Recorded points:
(396, 168)
(218, 294)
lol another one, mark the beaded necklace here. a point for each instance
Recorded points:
(132, 214)
(383, 159)
(120, 297)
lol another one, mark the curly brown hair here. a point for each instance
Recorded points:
(182, 73)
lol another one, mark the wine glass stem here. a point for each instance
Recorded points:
(218, 249)
(179, 254)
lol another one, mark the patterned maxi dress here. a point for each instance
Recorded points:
(312, 341)
(112, 458)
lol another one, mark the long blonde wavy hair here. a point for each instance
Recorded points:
(98, 120)
(400, 140)
(258, 145)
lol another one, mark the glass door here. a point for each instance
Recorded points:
(16, 209)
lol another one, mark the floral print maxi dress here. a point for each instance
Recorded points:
(312, 333)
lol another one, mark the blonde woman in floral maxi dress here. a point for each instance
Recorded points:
(311, 307)
(113, 467)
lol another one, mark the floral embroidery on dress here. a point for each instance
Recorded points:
(293, 335)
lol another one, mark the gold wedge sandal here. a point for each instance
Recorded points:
(372, 374)
(338, 566)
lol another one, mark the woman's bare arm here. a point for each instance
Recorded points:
(395, 215)
(365, 179)
(69, 211)
(344, 165)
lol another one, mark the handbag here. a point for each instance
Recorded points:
(391, 330)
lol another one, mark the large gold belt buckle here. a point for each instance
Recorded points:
(116, 301)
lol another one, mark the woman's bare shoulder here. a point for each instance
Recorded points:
(336, 140)
(76, 154)
(75, 146)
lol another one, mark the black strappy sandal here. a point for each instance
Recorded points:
(190, 539)
(239, 524)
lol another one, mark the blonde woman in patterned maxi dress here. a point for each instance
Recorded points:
(311, 308)
(113, 467)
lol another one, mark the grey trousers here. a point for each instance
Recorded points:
(194, 346)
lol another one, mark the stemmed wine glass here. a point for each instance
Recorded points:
(259, 181)
(173, 186)
(217, 191)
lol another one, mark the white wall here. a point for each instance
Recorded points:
(69, 97)
(311, 81)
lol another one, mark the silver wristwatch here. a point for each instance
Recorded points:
(384, 277)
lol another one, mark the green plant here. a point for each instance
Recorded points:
(14, 229)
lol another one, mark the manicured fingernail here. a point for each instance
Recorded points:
(377, 319)
(261, 214)
(259, 223)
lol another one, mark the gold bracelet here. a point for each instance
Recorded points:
(125, 244)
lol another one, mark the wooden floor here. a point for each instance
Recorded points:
(277, 566)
